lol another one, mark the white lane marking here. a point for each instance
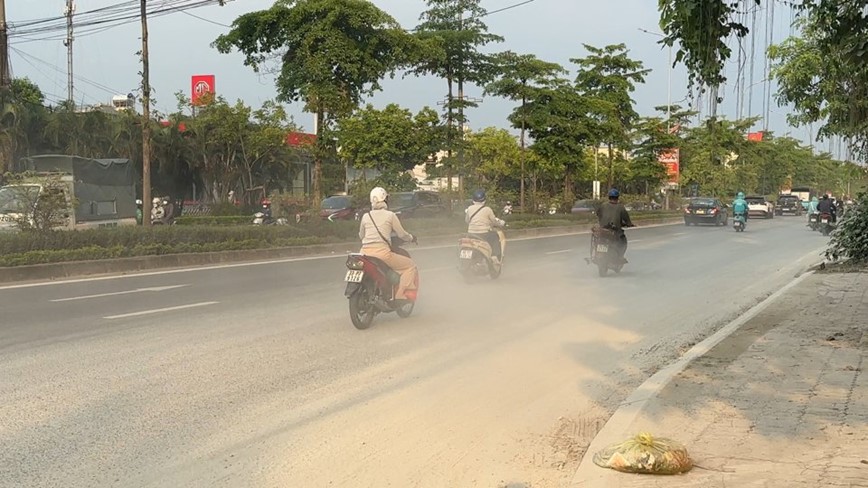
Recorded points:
(559, 252)
(274, 261)
(160, 310)
(140, 290)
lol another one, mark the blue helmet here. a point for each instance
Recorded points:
(479, 195)
(614, 193)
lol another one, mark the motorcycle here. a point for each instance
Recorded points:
(264, 217)
(507, 209)
(814, 221)
(604, 250)
(825, 225)
(371, 288)
(475, 256)
(739, 222)
(162, 212)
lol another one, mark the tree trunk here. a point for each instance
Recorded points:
(611, 166)
(522, 155)
(317, 158)
(449, 120)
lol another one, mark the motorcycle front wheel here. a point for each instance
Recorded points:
(603, 267)
(361, 309)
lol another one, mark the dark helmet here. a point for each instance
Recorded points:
(614, 193)
(825, 197)
(479, 195)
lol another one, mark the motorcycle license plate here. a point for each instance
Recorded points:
(825, 221)
(355, 276)
(602, 248)
(466, 254)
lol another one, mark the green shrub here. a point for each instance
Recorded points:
(850, 238)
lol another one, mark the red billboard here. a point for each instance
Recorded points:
(298, 139)
(671, 158)
(200, 86)
(755, 136)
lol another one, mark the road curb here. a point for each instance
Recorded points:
(614, 429)
(73, 269)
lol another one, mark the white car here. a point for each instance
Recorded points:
(758, 206)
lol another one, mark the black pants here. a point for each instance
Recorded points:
(493, 240)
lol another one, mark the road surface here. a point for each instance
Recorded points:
(253, 376)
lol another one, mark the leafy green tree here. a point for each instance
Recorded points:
(518, 76)
(610, 76)
(493, 155)
(563, 123)
(334, 52)
(391, 140)
(455, 32)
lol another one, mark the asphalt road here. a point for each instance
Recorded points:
(253, 376)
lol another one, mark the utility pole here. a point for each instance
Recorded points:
(70, 9)
(5, 81)
(146, 120)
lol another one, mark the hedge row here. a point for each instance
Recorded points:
(25, 248)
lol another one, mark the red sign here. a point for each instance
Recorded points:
(182, 127)
(755, 136)
(298, 139)
(200, 86)
(671, 159)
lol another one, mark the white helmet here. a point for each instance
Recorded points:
(378, 195)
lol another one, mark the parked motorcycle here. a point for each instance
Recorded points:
(475, 256)
(604, 250)
(371, 287)
(825, 225)
(739, 222)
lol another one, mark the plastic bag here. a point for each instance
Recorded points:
(645, 454)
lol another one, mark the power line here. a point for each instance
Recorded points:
(206, 20)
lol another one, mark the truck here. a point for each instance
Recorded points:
(95, 193)
(804, 193)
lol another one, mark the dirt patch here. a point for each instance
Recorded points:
(555, 456)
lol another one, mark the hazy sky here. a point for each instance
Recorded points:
(106, 63)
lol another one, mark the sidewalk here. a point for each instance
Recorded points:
(782, 402)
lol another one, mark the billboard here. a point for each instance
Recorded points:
(200, 86)
(671, 158)
(299, 139)
(755, 136)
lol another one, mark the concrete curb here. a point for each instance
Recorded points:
(56, 271)
(614, 429)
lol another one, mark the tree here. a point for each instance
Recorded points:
(518, 75)
(610, 76)
(455, 33)
(334, 53)
(563, 122)
(493, 155)
(389, 140)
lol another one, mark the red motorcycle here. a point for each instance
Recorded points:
(371, 287)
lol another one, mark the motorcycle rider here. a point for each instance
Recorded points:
(739, 206)
(614, 216)
(481, 221)
(375, 230)
(827, 206)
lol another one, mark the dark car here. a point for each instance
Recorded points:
(585, 206)
(789, 204)
(337, 207)
(417, 204)
(705, 211)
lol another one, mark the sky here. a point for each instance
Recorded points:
(106, 61)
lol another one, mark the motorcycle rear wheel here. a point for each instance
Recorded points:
(361, 310)
(405, 310)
